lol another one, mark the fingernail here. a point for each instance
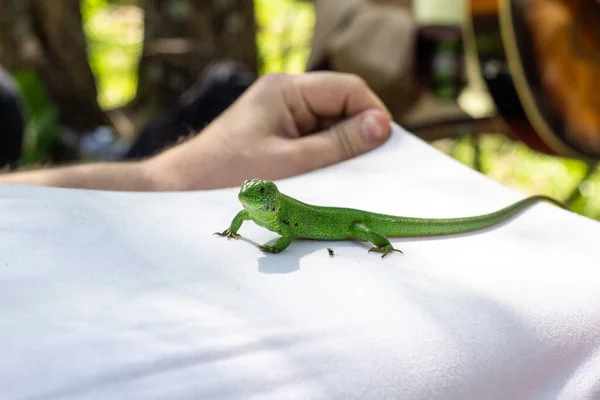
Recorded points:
(372, 129)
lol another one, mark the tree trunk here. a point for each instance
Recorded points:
(47, 36)
(182, 37)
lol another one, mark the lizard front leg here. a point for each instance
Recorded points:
(236, 223)
(360, 231)
(281, 244)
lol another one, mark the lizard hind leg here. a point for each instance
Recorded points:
(360, 231)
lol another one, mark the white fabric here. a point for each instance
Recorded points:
(111, 295)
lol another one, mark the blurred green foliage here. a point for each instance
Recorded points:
(284, 34)
(518, 167)
(114, 33)
(42, 131)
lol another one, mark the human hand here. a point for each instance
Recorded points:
(283, 125)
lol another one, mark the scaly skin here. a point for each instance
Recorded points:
(293, 219)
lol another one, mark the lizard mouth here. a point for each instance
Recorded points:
(246, 201)
(256, 205)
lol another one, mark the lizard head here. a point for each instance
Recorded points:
(257, 195)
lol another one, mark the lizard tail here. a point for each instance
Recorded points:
(414, 227)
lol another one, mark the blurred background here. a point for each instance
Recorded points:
(94, 76)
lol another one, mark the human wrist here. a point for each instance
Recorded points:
(181, 168)
(160, 175)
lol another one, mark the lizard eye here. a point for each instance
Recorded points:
(262, 189)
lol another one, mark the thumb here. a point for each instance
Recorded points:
(346, 139)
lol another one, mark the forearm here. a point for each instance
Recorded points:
(194, 166)
(121, 176)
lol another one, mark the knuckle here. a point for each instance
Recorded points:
(270, 83)
(343, 143)
(272, 79)
(357, 81)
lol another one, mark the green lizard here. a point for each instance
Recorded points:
(293, 219)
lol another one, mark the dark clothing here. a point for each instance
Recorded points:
(12, 122)
(218, 87)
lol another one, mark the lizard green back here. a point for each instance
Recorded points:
(318, 222)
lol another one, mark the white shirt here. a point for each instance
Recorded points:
(112, 295)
